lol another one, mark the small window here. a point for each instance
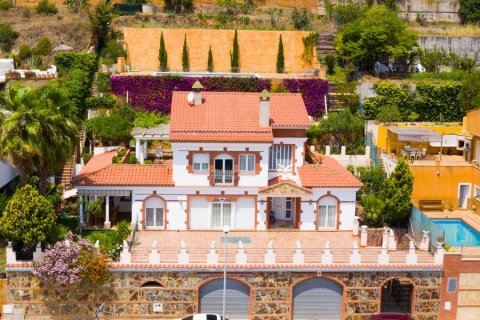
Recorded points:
(247, 163)
(452, 285)
(200, 162)
(151, 284)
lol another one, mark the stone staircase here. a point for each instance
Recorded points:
(69, 168)
(94, 88)
(325, 44)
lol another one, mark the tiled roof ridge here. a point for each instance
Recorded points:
(262, 131)
(242, 93)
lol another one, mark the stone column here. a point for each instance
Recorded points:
(425, 242)
(145, 151)
(356, 225)
(363, 236)
(107, 224)
(81, 210)
(385, 236)
(137, 148)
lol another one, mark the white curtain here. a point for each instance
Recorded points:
(159, 217)
(150, 219)
(217, 215)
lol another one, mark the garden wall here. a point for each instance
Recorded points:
(154, 93)
(143, 44)
(462, 46)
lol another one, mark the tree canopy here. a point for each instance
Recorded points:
(376, 35)
(469, 11)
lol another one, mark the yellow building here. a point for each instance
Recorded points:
(443, 158)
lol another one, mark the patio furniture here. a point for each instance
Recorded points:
(431, 205)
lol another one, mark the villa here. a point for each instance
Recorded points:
(230, 185)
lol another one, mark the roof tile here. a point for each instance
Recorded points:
(329, 173)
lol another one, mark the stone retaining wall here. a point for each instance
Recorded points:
(271, 294)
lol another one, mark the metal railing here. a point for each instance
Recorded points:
(223, 177)
(133, 240)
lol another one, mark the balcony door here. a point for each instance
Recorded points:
(223, 170)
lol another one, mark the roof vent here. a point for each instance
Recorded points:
(197, 93)
(264, 112)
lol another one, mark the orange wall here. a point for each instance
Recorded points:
(143, 44)
(472, 122)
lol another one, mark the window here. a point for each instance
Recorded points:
(221, 214)
(327, 213)
(281, 157)
(288, 208)
(247, 163)
(452, 285)
(200, 162)
(154, 212)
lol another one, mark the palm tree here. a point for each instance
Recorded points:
(19, 130)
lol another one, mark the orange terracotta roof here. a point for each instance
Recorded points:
(127, 175)
(329, 173)
(233, 116)
(98, 162)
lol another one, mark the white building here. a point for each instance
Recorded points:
(238, 161)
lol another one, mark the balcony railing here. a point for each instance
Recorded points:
(223, 177)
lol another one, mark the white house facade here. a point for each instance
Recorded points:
(237, 160)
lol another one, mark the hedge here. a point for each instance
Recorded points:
(153, 93)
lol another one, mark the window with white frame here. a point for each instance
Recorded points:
(200, 162)
(247, 163)
(477, 192)
(281, 157)
(327, 213)
(154, 212)
(221, 214)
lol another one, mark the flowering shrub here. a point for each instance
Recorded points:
(72, 261)
(155, 93)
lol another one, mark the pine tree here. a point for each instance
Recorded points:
(210, 60)
(185, 58)
(280, 57)
(234, 55)
(397, 194)
(162, 55)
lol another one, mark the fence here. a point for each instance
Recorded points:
(373, 150)
(419, 222)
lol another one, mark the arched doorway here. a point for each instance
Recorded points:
(237, 304)
(397, 296)
(317, 298)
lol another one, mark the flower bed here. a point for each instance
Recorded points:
(153, 93)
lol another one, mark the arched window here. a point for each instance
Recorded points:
(327, 213)
(151, 284)
(154, 212)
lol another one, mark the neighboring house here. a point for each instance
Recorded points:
(238, 161)
(5, 66)
(7, 173)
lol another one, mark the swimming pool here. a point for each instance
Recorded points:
(457, 232)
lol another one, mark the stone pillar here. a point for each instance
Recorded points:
(356, 226)
(392, 244)
(107, 224)
(438, 256)
(425, 242)
(363, 236)
(385, 236)
(384, 257)
(412, 255)
(125, 255)
(154, 257)
(343, 150)
(327, 256)
(355, 257)
(183, 255)
(270, 255)
(138, 150)
(240, 257)
(212, 256)
(81, 210)
(38, 252)
(327, 150)
(11, 256)
(298, 257)
(145, 151)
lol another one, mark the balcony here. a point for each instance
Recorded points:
(223, 177)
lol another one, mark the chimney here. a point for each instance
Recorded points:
(197, 93)
(264, 112)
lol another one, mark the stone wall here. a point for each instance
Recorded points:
(462, 46)
(271, 294)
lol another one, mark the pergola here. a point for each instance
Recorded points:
(143, 135)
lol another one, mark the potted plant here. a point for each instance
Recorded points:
(425, 231)
(440, 241)
(450, 206)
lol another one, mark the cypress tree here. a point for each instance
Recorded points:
(210, 60)
(234, 55)
(280, 57)
(162, 55)
(185, 59)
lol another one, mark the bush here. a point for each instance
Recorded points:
(28, 217)
(26, 13)
(5, 5)
(24, 52)
(75, 5)
(469, 11)
(185, 58)
(235, 54)
(163, 55)
(300, 19)
(132, 159)
(148, 161)
(3, 202)
(55, 199)
(149, 119)
(100, 102)
(103, 82)
(7, 37)
(77, 87)
(210, 60)
(66, 61)
(43, 47)
(86, 157)
(111, 241)
(46, 7)
(420, 19)
(330, 64)
(113, 50)
(280, 57)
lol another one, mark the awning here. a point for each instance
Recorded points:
(416, 135)
(103, 193)
(69, 193)
(160, 132)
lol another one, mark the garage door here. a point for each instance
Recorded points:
(237, 299)
(317, 298)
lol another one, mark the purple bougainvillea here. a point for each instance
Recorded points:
(153, 93)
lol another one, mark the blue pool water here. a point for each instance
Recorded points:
(458, 232)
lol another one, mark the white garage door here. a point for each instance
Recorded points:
(237, 299)
(317, 298)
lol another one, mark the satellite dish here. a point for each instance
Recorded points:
(190, 97)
